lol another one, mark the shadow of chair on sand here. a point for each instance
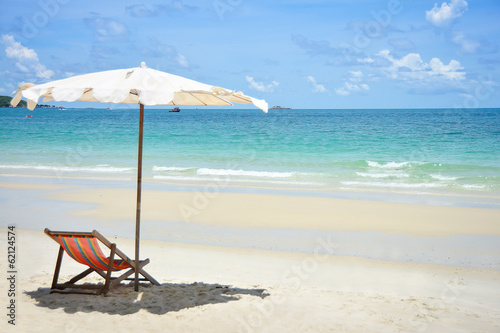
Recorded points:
(158, 300)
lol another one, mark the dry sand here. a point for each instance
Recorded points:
(229, 289)
(220, 289)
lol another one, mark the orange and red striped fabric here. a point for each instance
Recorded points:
(86, 250)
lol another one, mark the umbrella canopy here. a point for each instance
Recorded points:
(141, 85)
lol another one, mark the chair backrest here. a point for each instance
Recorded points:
(85, 249)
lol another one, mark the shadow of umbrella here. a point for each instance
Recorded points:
(167, 297)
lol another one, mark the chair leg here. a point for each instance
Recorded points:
(110, 269)
(125, 275)
(58, 267)
(149, 277)
(101, 273)
(81, 275)
(145, 274)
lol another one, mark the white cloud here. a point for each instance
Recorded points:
(14, 50)
(107, 30)
(444, 15)
(342, 91)
(260, 86)
(182, 61)
(466, 95)
(353, 84)
(412, 61)
(139, 10)
(167, 7)
(412, 67)
(450, 71)
(365, 60)
(317, 88)
(356, 76)
(468, 46)
(25, 59)
(42, 72)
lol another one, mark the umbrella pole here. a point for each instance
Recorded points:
(138, 211)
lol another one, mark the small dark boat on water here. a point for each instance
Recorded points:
(176, 109)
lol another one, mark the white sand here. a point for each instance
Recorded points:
(221, 289)
(280, 211)
(230, 289)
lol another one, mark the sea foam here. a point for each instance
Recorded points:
(231, 172)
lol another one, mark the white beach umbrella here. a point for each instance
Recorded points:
(141, 85)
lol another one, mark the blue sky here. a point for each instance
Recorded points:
(297, 53)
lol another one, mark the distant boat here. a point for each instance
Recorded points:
(176, 109)
(29, 116)
(277, 107)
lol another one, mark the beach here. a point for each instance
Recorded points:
(275, 166)
(257, 262)
(294, 221)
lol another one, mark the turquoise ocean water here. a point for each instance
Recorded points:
(433, 151)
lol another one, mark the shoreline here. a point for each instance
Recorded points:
(207, 204)
(268, 211)
(454, 199)
(445, 235)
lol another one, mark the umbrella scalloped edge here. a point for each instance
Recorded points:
(139, 85)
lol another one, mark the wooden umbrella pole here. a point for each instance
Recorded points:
(138, 212)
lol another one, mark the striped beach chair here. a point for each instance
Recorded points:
(84, 248)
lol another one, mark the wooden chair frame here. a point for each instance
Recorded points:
(110, 282)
